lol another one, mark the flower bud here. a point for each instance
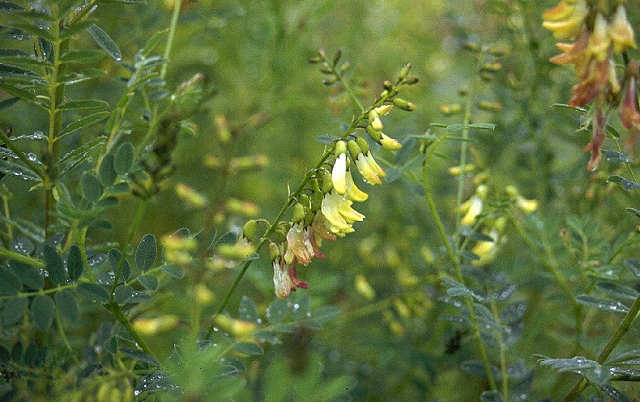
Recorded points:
(222, 126)
(404, 105)
(341, 148)
(191, 196)
(374, 120)
(490, 106)
(384, 109)
(327, 183)
(354, 149)
(450, 109)
(298, 212)
(304, 200)
(388, 85)
(362, 143)
(364, 288)
(274, 251)
(621, 31)
(249, 229)
(404, 71)
(375, 135)
(491, 67)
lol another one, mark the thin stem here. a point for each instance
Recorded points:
(21, 258)
(503, 357)
(115, 309)
(82, 244)
(177, 4)
(338, 74)
(7, 214)
(454, 260)
(41, 292)
(622, 329)
(64, 338)
(142, 206)
(622, 246)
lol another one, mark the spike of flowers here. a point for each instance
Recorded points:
(598, 39)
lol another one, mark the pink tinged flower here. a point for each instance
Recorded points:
(629, 113)
(281, 280)
(299, 248)
(293, 276)
(566, 19)
(573, 53)
(339, 174)
(595, 82)
(621, 32)
(319, 230)
(599, 41)
(598, 122)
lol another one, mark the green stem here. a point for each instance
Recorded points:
(82, 244)
(622, 329)
(64, 338)
(622, 246)
(177, 4)
(21, 258)
(454, 260)
(7, 214)
(142, 206)
(119, 315)
(41, 292)
(503, 357)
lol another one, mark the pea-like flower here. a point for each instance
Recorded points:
(621, 32)
(599, 41)
(473, 206)
(299, 248)
(339, 172)
(566, 19)
(285, 279)
(339, 214)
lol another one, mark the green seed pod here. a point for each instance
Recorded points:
(362, 143)
(298, 212)
(354, 149)
(404, 105)
(249, 229)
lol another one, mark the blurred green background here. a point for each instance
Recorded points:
(396, 344)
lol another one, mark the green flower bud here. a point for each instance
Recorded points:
(490, 106)
(298, 212)
(249, 229)
(374, 120)
(274, 251)
(362, 143)
(354, 149)
(375, 135)
(315, 185)
(387, 84)
(341, 148)
(304, 200)
(404, 71)
(327, 183)
(404, 105)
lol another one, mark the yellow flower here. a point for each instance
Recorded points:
(281, 280)
(299, 248)
(369, 172)
(353, 192)
(389, 143)
(339, 173)
(566, 19)
(486, 250)
(599, 41)
(339, 214)
(473, 206)
(621, 31)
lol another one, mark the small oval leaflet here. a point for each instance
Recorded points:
(105, 42)
(43, 310)
(146, 252)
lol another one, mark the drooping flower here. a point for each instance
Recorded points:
(299, 248)
(598, 123)
(339, 171)
(599, 41)
(621, 32)
(566, 19)
(353, 192)
(473, 206)
(629, 113)
(339, 214)
(389, 143)
(285, 279)
(486, 250)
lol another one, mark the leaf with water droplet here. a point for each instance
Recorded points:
(140, 355)
(615, 394)
(93, 292)
(54, 264)
(13, 310)
(602, 303)
(248, 348)
(149, 282)
(173, 271)
(74, 263)
(105, 42)
(491, 396)
(633, 266)
(247, 310)
(67, 305)
(146, 252)
(123, 159)
(618, 291)
(626, 184)
(277, 311)
(30, 276)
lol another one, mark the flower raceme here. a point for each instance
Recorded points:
(326, 211)
(599, 33)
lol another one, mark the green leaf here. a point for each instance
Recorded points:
(154, 41)
(93, 292)
(81, 56)
(624, 183)
(146, 252)
(107, 173)
(84, 122)
(247, 310)
(618, 291)
(87, 74)
(30, 276)
(614, 156)
(491, 396)
(277, 311)
(91, 187)
(602, 304)
(13, 310)
(124, 158)
(54, 264)
(88, 104)
(67, 305)
(43, 310)
(123, 293)
(615, 394)
(19, 93)
(173, 271)
(33, 30)
(105, 42)
(325, 314)
(149, 282)
(633, 266)
(74, 263)
(77, 27)
(7, 103)
(248, 348)
(139, 355)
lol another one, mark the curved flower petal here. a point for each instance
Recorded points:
(621, 32)
(366, 170)
(329, 209)
(473, 207)
(374, 165)
(353, 192)
(338, 174)
(281, 280)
